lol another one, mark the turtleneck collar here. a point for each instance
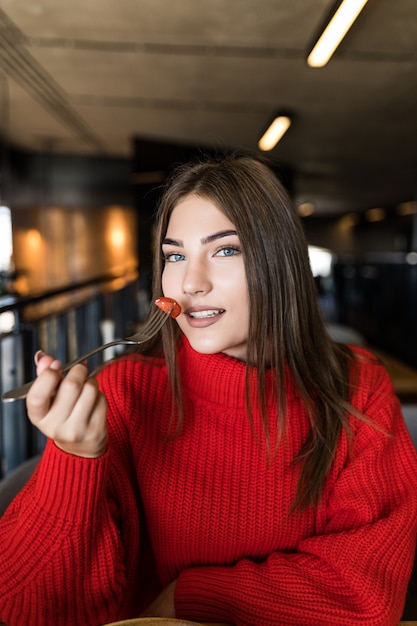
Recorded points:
(216, 377)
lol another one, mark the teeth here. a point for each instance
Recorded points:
(208, 313)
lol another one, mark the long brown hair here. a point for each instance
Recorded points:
(286, 327)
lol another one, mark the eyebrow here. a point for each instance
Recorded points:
(204, 240)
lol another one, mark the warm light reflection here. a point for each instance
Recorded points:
(33, 240)
(81, 242)
(407, 208)
(116, 228)
(349, 221)
(375, 215)
(305, 209)
(61, 246)
(30, 250)
(117, 237)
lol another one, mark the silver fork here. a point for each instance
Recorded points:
(149, 330)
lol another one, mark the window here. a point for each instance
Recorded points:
(321, 261)
(6, 241)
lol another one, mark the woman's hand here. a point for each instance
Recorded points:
(71, 410)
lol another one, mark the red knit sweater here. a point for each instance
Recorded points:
(91, 541)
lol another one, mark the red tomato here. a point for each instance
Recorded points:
(169, 306)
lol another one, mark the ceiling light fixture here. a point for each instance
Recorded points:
(274, 132)
(349, 220)
(375, 215)
(336, 29)
(407, 208)
(306, 208)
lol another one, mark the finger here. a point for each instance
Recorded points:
(96, 438)
(68, 393)
(38, 355)
(43, 397)
(85, 432)
(42, 393)
(83, 409)
(44, 361)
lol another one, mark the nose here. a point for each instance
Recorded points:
(196, 278)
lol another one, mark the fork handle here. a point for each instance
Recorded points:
(83, 357)
(19, 393)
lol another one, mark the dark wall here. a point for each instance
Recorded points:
(377, 295)
(396, 233)
(68, 181)
(73, 219)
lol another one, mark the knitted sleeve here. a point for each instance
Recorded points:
(357, 570)
(65, 554)
(46, 544)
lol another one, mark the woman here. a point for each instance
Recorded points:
(251, 471)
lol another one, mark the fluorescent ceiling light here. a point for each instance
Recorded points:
(334, 32)
(274, 133)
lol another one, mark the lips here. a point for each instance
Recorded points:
(202, 316)
(206, 313)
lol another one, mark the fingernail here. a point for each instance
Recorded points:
(38, 355)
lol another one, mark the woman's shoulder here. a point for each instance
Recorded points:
(369, 365)
(371, 382)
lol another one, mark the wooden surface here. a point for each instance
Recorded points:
(153, 621)
(161, 621)
(403, 377)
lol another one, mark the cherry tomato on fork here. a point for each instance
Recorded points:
(169, 305)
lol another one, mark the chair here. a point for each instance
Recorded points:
(410, 608)
(152, 621)
(345, 334)
(409, 412)
(13, 482)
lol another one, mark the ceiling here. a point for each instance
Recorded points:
(87, 76)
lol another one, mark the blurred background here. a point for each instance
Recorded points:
(100, 99)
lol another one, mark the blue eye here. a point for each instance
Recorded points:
(173, 257)
(228, 251)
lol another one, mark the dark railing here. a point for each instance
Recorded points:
(64, 322)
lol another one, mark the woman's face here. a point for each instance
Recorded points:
(205, 273)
